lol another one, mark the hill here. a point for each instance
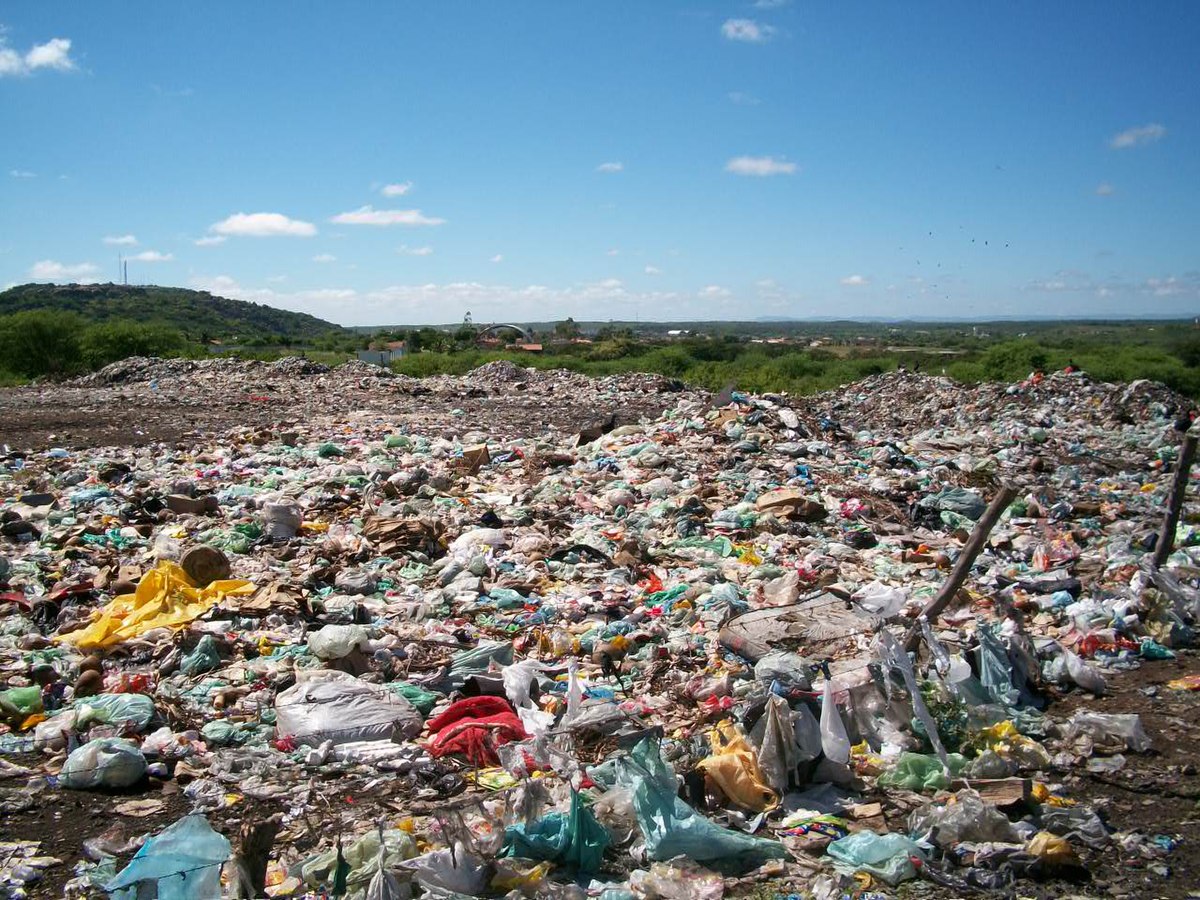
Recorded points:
(199, 315)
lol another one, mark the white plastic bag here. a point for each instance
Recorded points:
(105, 762)
(337, 641)
(878, 599)
(1084, 675)
(333, 706)
(834, 740)
(458, 870)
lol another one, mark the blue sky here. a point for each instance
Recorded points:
(405, 163)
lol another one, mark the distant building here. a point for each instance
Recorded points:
(385, 354)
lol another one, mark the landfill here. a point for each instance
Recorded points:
(533, 635)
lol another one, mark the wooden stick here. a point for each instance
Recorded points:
(962, 567)
(1166, 534)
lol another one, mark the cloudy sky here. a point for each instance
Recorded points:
(404, 163)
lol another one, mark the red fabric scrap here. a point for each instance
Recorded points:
(474, 727)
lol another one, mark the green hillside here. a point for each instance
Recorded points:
(198, 315)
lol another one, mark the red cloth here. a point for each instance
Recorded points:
(474, 728)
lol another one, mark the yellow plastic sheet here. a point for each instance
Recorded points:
(733, 767)
(165, 598)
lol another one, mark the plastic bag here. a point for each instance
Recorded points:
(330, 705)
(181, 862)
(778, 749)
(680, 879)
(337, 641)
(670, 827)
(883, 856)
(20, 703)
(1084, 675)
(458, 870)
(573, 839)
(917, 772)
(881, 600)
(733, 767)
(995, 670)
(790, 669)
(132, 711)
(614, 810)
(834, 740)
(966, 817)
(204, 658)
(1105, 728)
(105, 762)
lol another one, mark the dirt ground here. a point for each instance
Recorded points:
(35, 418)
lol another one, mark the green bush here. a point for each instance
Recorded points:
(41, 342)
(106, 342)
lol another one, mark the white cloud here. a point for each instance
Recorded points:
(405, 250)
(277, 279)
(367, 215)
(22, 173)
(1138, 136)
(611, 167)
(742, 98)
(747, 30)
(152, 256)
(447, 302)
(1104, 189)
(324, 258)
(856, 281)
(713, 292)
(770, 4)
(211, 241)
(263, 224)
(653, 270)
(121, 240)
(399, 189)
(52, 270)
(55, 55)
(499, 257)
(760, 166)
(612, 251)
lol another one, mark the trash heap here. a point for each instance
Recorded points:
(654, 660)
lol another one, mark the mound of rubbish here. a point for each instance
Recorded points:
(908, 629)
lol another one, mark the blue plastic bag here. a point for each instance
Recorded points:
(670, 827)
(573, 839)
(181, 862)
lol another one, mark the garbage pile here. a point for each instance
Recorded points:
(384, 658)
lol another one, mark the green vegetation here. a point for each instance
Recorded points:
(49, 331)
(717, 362)
(199, 316)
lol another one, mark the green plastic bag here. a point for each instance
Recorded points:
(572, 839)
(114, 709)
(671, 827)
(204, 658)
(420, 698)
(21, 702)
(917, 772)
(883, 856)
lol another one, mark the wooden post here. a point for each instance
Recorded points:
(256, 838)
(962, 567)
(1166, 534)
